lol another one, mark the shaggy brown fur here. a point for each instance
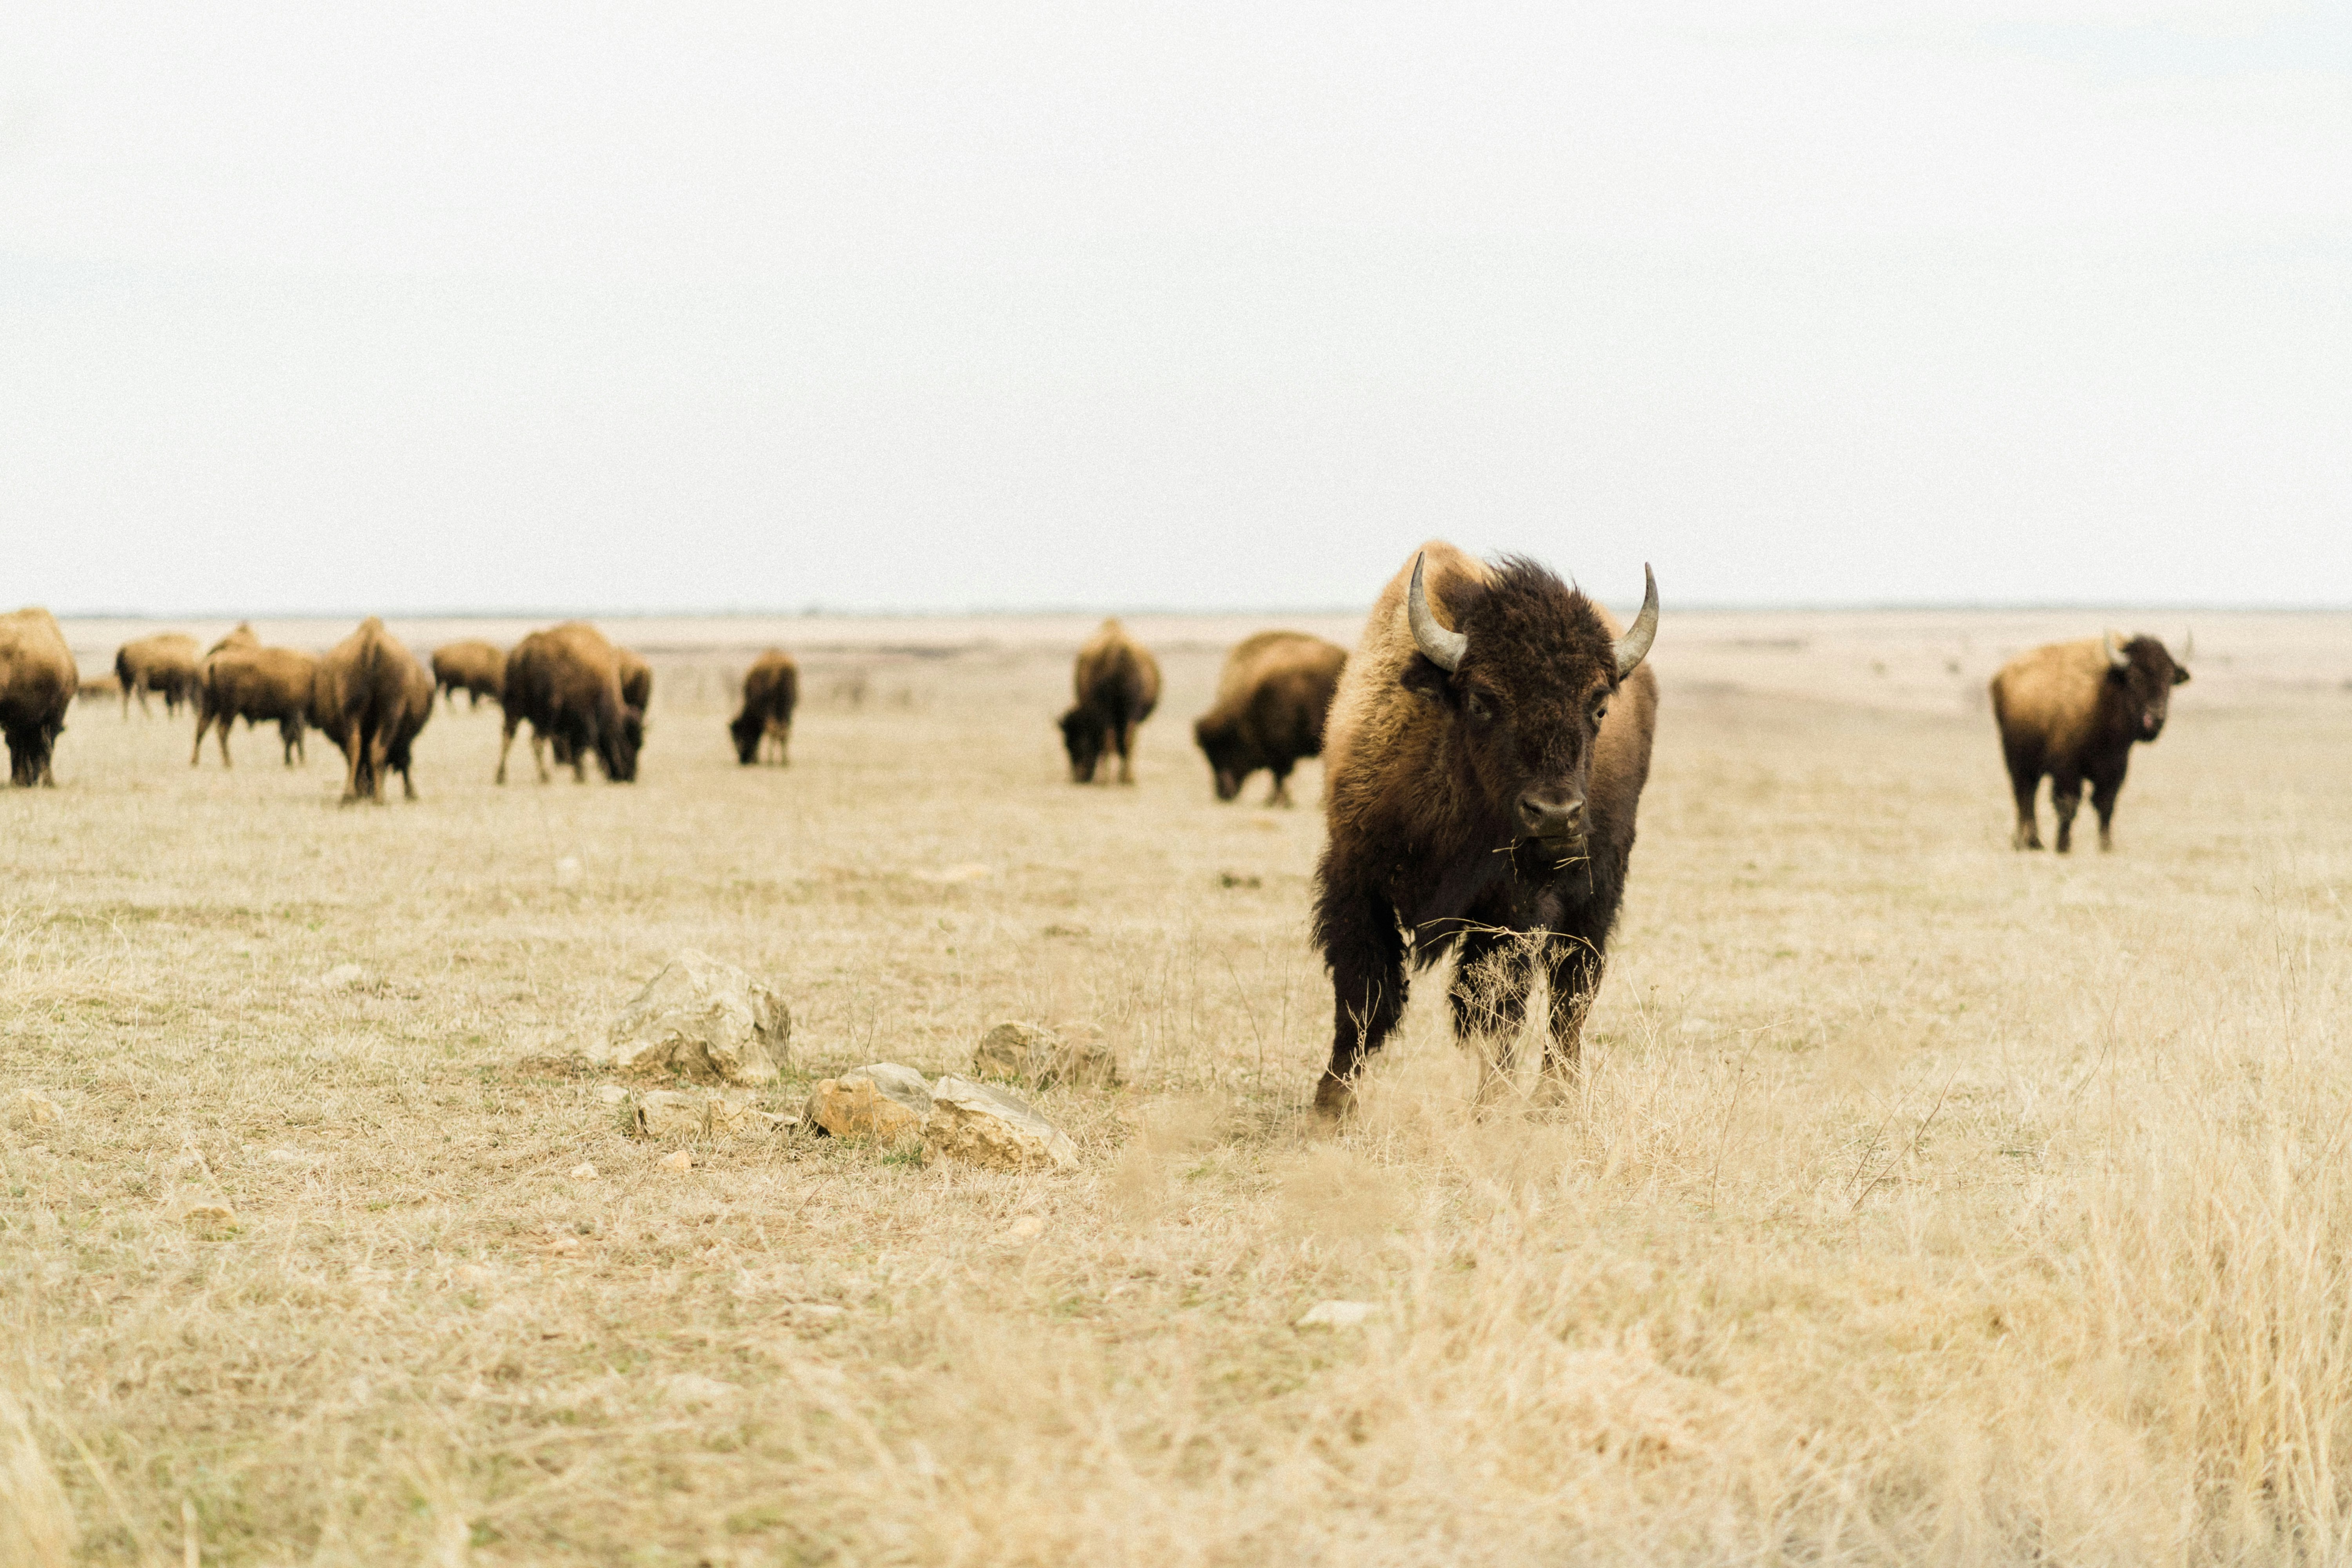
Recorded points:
(243, 636)
(164, 663)
(474, 667)
(1272, 698)
(1118, 685)
(771, 690)
(1430, 780)
(242, 679)
(567, 682)
(38, 678)
(368, 693)
(2068, 712)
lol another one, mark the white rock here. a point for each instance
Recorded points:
(666, 1113)
(1032, 1054)
(704, 1020)
(37, 1108)
(1337, 1314)
(1028, 1228)
(990, 1127)
(681, 1161)
(582, 1171)
(881, 1099)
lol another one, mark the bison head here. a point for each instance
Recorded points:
(748, 729)
(1083, 734)
(2146, 674)
(1230, 759)
(618, 744)
(1525, 677)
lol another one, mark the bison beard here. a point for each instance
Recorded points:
(1482, 783)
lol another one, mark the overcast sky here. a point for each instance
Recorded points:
(974, 304)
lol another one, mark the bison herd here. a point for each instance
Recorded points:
(1485, 747)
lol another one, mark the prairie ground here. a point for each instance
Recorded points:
(1923, 1200)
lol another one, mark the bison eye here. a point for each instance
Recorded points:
(1476, 707)
(1600, 712)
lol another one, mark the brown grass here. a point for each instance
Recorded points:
(1924, 1202)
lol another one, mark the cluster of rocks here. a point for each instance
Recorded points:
(956, 1117)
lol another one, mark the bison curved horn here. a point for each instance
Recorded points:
(1635, 645)
(1443, 649)
(2116, 658)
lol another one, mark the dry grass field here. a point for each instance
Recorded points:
(1924, 1202)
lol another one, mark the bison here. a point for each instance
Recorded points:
(1118, 685)
(38, 680)
(771, 690)
(2072, 711)
(242, 679)
(1480, 785)
(1272, 698)
(164, 663)
(473, 667)
(372, 698)
(567, 682)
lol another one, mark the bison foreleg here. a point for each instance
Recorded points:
(2105, 787)
(1365, 953)
(506, 745)
(1574, 980)
(1281, 796)
(1489, 998)
(2065, 799)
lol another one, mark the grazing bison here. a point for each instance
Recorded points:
(567, 682)
(372, 698)
(2072, 711)
(1272, 699)
(1118, 685)
(164, 663)
(38, 680)
(1480, 784)
(474, 667)
(242, 679)
(771, 690)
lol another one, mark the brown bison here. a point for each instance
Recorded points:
(372, 698)
(1272, 699)
(2072, 711)
(473, 667)
(164, 663)
(1118, 685)
(567, 682)
(1480, 784)
(38, 680)
(771, 690)
(242, 679)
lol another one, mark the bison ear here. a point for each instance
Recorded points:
(2179, 675)
(1424, 677)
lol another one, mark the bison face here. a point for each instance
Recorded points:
(1082, 736)
(619, 743)
(2147, 674)
(1229, 761)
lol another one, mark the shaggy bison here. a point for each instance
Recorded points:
(1118, 685)
(240, 679)
(473, 667)
(771, 690)
(567, 682)
(1272, 698)
(165, 663)
(372, 698)
(2072, 711)
(38, 680)
(1480, 784)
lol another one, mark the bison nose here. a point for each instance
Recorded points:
(1543, 815)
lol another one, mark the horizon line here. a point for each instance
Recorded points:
(828, 612)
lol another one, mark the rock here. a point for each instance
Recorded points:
(681, 1161)
(37, 1108)
(704, 1020)
(988, 1127)
(1028, 1228)
(739, 1118)
(1337, 1314)
(882, 1100)
(612, 1094)
(666, 1113)
(210, 1214)
(582, 1171)
(1032, 1054)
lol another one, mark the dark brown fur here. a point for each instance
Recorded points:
(242, 679)
(1272, 699)
(476, 668)
(1423, 772)
(1116, 682)
(38, 680)
(165, 663)
(567, 682)
(771, 690)
(2064, 712)
(369, 690)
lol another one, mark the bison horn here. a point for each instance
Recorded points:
(2116, 658)
(1635, 645)
(1443, 649)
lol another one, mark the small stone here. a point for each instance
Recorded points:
(582, 1171)
(39, 1109)
(612, 1094)
(881, 1099)
(209, 1214)
(342, 977)
(990, 1127)
(567, 871)
(666, 1113)
(1035, 1054)
(1337, 1314)
(691, 1389)
(703, 1020)
(1028, 1227)
(681, 1161)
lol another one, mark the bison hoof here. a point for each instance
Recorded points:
(1335, 1098)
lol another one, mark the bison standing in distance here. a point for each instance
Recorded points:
(1118, 685)
(771, 690)
(38, 680)
(2072, 711)
(372, 698)
(567, 682)
(1272, 698)
(473, 667)
(1480, 785)
(164, 663)
(240, 679)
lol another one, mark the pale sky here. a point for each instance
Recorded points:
(1197, 305)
